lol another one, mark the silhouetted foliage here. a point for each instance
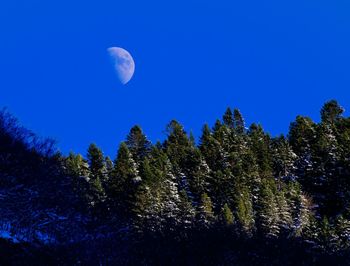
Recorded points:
(240, 197)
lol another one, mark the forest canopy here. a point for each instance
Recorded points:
(239, 187)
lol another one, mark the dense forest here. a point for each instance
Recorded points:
(237, 197)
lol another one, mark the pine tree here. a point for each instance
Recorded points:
(97, 172)
(212, 151)
(301, 209)
(244, 210)
(177, 144)
(109, 165)
(181, 153)
(226, 216)
(302, 135)
(206, 216)
(326, 164)
(221, 132)
(123, 180)
(326, 234)
(96, 161)
(268, 212)
(343, 233)
(77, 166)
(283, 159)
(170, 198)
(199, 175)
(331, 112)
(147, 204)
(157, 198)
(238, 122)
(138, 144)
(221, 188)
(284, 212)
(228, 118)
(186, 212)
(342, 183)
(259, 144)
(250, 175)
(311, 233)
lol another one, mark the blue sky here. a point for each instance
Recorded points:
(272, 59)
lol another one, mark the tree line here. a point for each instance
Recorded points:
(238, 182)
(236, 177)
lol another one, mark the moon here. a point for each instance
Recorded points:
(123, 63)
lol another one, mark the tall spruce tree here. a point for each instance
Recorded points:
(180, 151)
(109, 165)
(206, 217)
(238, 122)
(283, 159)
(199, 175)
(97, 172)
(228, 118)
(147, 205)
(212, 150)
(124, 180)
(244, 210)
(331, 112)
(138, 144)
(177, 144)
(268, 210)
(186, 212)
(77, 166)
(259, 144)
(157, 199)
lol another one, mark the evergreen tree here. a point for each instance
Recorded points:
(96, 161)
(284, 212)
(186, 212)
(206, 216)
(177, 144)
(97, 172)
(212, 150)
(109, 165)
(283, 159)
(77, 166)
(228, 118)
(221, 132)
(124, 180)
(138, 144)
(326, 164)
(221, 189)
(268, 211)
(147, 205)
(241, 185)
(259, 144)
(244, 210)
(331, 112)
(226, 215)
(158, 199)
(326, 233)
(302, 135)
(238, 122)
(343, 233)
(170, 198)
(199, 173)
(181, 152)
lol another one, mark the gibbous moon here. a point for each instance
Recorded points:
(123, 63)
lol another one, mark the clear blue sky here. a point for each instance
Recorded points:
(272, 59)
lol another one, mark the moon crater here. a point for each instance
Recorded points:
(123, 63)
